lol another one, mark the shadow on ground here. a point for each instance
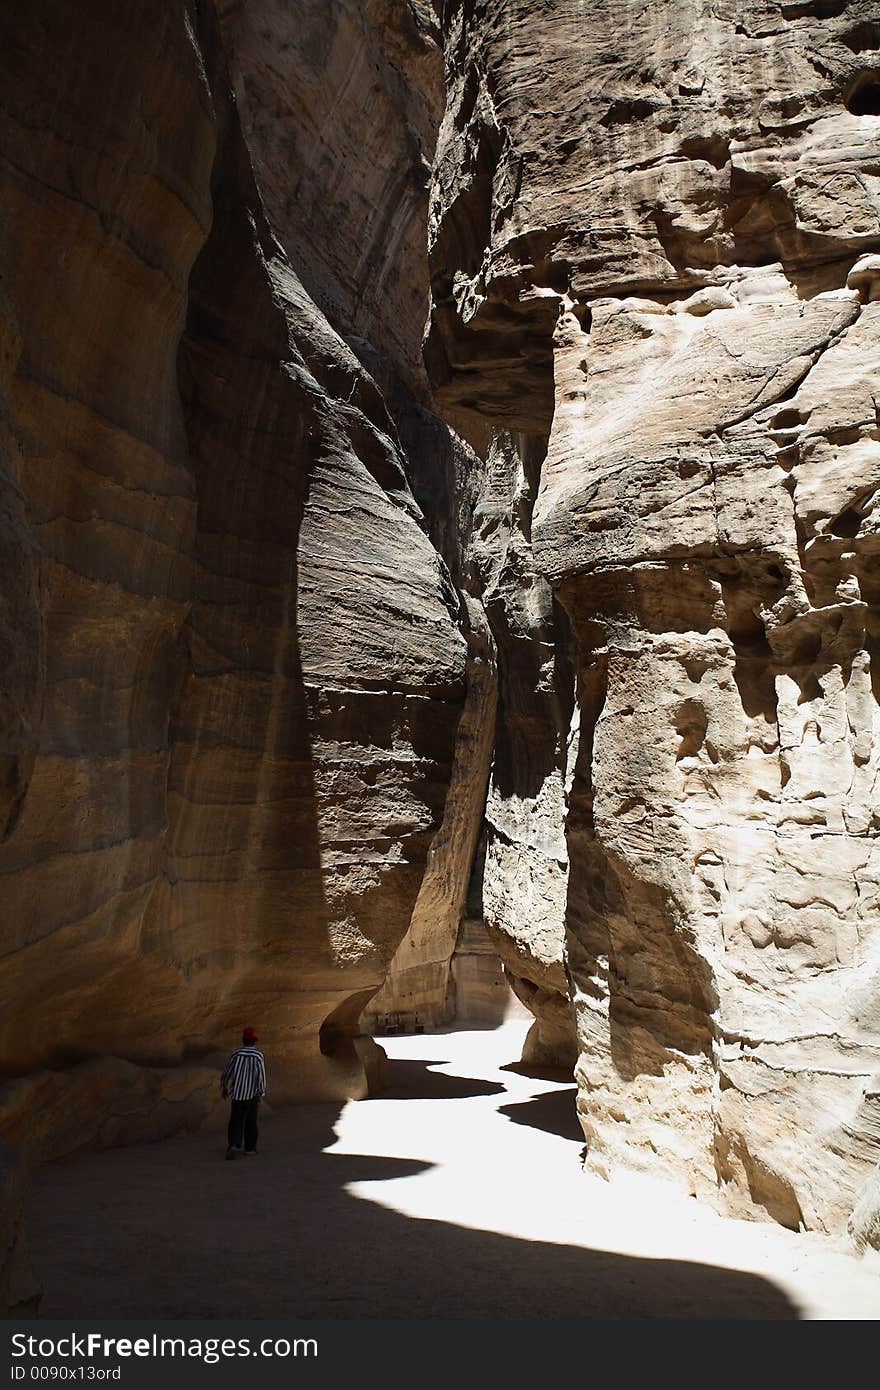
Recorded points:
(170, 1230)
(554, 1112)
(539, 1073)
(410, 1079)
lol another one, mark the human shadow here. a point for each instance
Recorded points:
(169, 1230)
(553, 1112)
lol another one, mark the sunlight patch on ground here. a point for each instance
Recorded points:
(503, 1156)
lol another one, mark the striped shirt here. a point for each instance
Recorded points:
(244, 1075)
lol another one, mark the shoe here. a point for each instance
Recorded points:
(250, 1153)
(232, 1152)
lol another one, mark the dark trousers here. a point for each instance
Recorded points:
(243, 1123)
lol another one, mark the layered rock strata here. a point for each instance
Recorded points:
(653, 243)
(236, 659)
(358, 123)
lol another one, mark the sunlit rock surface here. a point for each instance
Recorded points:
(653, 242)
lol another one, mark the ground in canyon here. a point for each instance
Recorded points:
(456, 1193)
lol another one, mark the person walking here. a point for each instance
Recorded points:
(244, 1082)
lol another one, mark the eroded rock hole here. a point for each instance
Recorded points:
(556, 275)
(787, 420)
(754, 674)
(864, 98)
(847, 524)
(862, 36)
(814, 9)
(695, 668)
(712, 148)
(690, 725)
(625, 110)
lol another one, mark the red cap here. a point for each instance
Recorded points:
(249, 1035)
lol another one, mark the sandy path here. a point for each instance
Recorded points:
(457, 1194)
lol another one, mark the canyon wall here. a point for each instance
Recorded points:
(525, 874)
(235, 658)
(653, 248)
(321, 647)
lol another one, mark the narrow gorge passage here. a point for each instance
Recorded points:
(456, 1194)
(439, 527)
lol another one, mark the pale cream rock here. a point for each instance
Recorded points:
(700, 196)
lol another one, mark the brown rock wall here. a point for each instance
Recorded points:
(352, 95)
(108, 208)
(340, 105)
(267, 620)
(254, 668)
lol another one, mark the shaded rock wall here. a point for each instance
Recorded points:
(108, 208)
(652, 244)
(20, 1292)
(340, 105)
(358, 126)
(526, 733)
(237, 661)
(483, 997)
(418, 984)
(525, 875)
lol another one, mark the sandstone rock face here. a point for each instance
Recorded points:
(418, 983)
(359, 123)
(654, 242)
(483, 997)
(234, 658)
(106, 211)
(340, 104)
(526, 732)
(864, 1224)
(525, 875)
(272, 632)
